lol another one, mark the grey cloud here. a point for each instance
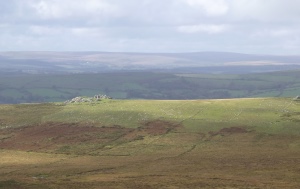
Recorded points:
(266, 11)
(249, 26)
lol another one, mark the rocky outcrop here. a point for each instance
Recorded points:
(80, 99)
(100, 96)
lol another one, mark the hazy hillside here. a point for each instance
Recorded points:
(147, 85)
(59, 76)
(75, 62)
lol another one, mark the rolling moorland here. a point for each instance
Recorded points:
(186, 120)
(232, 143)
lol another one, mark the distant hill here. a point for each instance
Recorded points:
(97, 62)
(147, 85)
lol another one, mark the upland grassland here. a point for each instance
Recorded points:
(230, 143)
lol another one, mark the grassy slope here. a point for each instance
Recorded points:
(238, 143)
(196, 115)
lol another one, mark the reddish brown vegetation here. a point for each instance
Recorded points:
(232, 157)
(158, 127)
(229, 131)
(51, 136)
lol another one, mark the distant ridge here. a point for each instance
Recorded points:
(81, 62)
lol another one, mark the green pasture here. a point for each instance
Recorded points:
(268, 115)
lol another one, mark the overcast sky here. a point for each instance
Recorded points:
(245, 26)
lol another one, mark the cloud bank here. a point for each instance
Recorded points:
(246, 26)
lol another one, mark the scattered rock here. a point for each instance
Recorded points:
(88, 99)
(100, 96)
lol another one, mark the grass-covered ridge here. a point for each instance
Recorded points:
(264, 114)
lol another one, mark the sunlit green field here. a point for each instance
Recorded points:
(270, 115)
(236, 143)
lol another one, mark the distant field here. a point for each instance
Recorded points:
(147, 85)
(230, 143)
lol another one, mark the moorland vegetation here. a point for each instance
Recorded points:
(229, 143)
